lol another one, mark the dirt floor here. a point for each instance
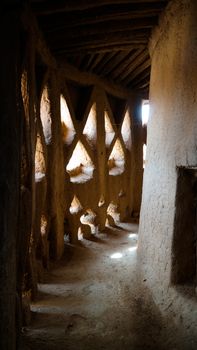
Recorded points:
(93, 300)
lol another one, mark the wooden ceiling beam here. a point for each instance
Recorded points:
(117, 61)
(108, 57)
(85, 61)
(88, 62)
(144, 85)
(139, 80)
(101, 27)
(136, 72)
(102, 70)
(96, 61)
(48, 7)
(126, 56)
(126, 37)
(106, 37)
(99, 48)
(74, 74)
(80, 33)
(134, 63)
(122, 71)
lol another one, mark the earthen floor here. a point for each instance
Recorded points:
(92, 300)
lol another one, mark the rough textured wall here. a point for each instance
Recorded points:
(172, 142)
(41, 221)
(10, 134)
(65, 110)
(33, 196)
(106, 135)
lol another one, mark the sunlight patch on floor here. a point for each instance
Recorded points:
(116, 256)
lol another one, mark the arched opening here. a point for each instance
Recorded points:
(90, 130)
(126, 130)
(40, 166)
(45, 115)
(80, 166)
(68, 130)
(75, 206)
(109, 131)
(116, 162)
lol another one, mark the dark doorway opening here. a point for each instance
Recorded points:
(184, 269)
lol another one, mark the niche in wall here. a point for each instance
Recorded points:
(75, 206)
(109, 131)
(45, 115)
(126, 130)
(80, 166)
(40, 168)
(90, 127)
(184, 257)
(68, 130)
(116, 161)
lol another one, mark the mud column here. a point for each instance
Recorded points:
(101, 161)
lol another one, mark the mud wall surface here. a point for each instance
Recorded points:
(101, 168)
(81, 155)
(47, 112)
(171, 145)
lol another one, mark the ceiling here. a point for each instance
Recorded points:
(106, 37)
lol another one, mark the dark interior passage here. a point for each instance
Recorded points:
(78, 163)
